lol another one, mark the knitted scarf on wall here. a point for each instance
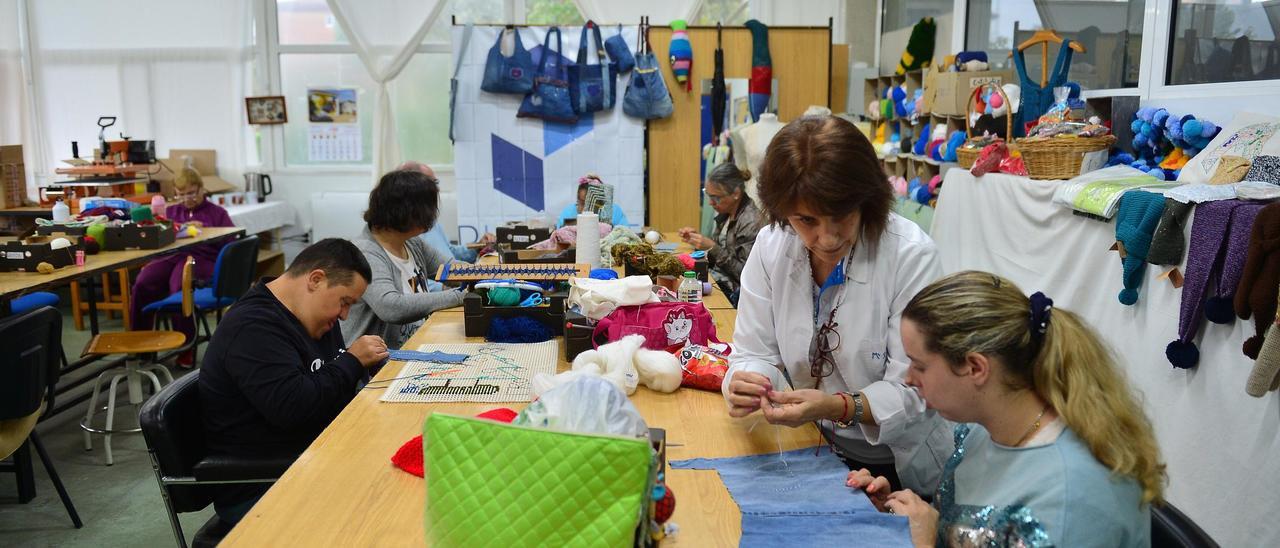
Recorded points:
(1260, 282)
(681, 54)
(760, 86)
(1168, 243)
(1137, 217)
(919, 52)
(1208, 230)
(1218, 308)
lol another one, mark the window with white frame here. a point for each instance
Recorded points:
(1110, 31)
(1224, 41)
(312, 53)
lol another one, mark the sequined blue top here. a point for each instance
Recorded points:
(1050, 495)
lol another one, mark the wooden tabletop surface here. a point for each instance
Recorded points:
(16, 284)
(343, 491)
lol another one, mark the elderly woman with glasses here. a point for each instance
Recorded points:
(817, 336)
(737, 223)
(163, 277)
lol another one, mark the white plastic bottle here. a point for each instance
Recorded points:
(690, 288)
(61, 213)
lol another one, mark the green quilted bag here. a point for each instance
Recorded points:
(495, 484)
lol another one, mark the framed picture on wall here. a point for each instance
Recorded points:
(266, 110)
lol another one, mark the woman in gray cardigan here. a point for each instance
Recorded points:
(403, 206)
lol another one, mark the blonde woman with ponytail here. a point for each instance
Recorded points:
(1055, 450)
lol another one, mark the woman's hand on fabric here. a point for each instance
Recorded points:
(746, 392)
(922, 515)
(686, 231)
(798, 407)
(876, 488)
(698, 241)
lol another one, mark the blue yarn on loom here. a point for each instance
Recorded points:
(603, 274)
(517, 329)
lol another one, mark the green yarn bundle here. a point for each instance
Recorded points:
(504, 296)
(141, 214)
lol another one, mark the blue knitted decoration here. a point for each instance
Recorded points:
(1183, 355)
(517, 329)
(604, 274)
(1136, 221)
(1219, 310)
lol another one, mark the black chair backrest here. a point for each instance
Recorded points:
(1171, 528)
(237, 267)
(173, 426)
(29, 361)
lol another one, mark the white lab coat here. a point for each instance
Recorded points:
(775, 326)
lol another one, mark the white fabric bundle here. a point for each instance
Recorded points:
(597, 298)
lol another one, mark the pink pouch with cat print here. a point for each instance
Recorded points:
(663, 325)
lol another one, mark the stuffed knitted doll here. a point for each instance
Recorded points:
(760, 86)
(1265, 375)
(919, 52)
(1168, 243)
(1135, 221)
(1256, 293)
(681, 54)
(1207, 233)
(1218, 307)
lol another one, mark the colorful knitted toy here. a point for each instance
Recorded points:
(681, 54)
(919, 52)
(760, 86)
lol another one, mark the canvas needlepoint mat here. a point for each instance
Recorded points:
(492, 372)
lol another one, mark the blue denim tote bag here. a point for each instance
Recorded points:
(619, 52)
(512, 74)
(549, 98)
(647, 96)
(592, 88)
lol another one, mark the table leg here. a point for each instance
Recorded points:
(89, 283)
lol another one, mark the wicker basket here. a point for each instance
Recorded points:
(1060, 157)
(967, 156)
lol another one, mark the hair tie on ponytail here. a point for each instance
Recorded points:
(1041, 307)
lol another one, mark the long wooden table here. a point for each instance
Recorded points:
(343, 491)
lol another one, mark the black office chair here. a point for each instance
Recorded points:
(173, 427)
(32, 346)
(1171, 528)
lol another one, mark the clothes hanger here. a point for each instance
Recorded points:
(1043, 38)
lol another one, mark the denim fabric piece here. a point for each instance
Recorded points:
(433, 356)
(620, 52)
(803, 501)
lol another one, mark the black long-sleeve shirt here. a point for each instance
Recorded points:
(267, 388)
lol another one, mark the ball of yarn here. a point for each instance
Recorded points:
(664, 507)
(1128, 296)
(1252, 346)
(652, 237)
(91, 246)
(1185, 355)
(686, 260)
(504, 296)
(139, 214)
(1219, 310)
(603, 274)
(97, 232)
(517, 329)
(934, 183)
(44, 268)
(59, 243)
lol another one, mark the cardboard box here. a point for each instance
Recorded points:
(13, 177)
(950, 95)
(26, 255)
(204, 161)
(521, 236)
(132, 236)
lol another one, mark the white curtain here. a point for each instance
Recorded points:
(175, 72)
(385, 38)
(660, 12)
(15, 107)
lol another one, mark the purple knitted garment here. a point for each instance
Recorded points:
(1218, 307)
(1208, 230)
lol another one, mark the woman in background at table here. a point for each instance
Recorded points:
(822, 294)
(1056, 450)
(404, 205)
(737, 223)
(163, 277)
(571, 211)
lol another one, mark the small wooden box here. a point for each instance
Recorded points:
(132, 236)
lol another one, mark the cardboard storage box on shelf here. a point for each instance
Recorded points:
(204, 161)
(13, 177)
(950, 90)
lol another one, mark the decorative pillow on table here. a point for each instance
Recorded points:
(1265, 168)
(1248, 136)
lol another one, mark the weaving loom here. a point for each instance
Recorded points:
(458, 274)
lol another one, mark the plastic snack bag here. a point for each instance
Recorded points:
(703, 367)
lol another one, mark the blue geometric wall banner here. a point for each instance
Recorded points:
(556, 135)
(517, 174)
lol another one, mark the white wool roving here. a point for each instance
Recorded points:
(614, 362)
(658, 370)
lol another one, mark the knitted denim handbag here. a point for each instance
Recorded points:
(549, 98)
(496, 484)
(592, 88)
(647, 96)
(512, 74)
(618, 51)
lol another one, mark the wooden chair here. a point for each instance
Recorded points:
(112, 303)
(142, 348)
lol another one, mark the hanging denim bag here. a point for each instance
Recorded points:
(619, 52)
(512, 74)
(549, 98)
(647, 96)
(592, 88)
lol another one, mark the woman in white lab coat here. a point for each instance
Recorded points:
(817, 335)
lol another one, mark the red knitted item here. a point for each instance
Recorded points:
(663, 509)
(409, 456)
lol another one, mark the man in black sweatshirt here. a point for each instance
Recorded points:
(276, 373)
